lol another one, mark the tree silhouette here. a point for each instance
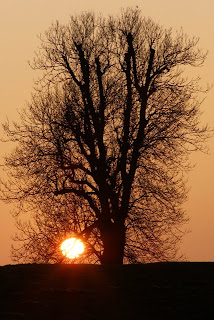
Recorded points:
(102, 146)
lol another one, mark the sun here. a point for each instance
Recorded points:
(72, 248)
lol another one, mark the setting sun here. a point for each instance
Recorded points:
(72, 248)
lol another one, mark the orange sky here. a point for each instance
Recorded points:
(20, 23)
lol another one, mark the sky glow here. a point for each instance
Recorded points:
(20, 23)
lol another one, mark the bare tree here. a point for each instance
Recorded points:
(105, 140)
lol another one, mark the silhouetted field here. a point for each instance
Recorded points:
(79, 292)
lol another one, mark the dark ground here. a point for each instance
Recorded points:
(79, 292)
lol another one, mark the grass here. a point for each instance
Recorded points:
(80, 292)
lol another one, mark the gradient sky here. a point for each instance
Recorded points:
(20, 23)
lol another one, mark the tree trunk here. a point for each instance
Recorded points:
(113, 236)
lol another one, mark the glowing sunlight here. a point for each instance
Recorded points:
(72, 248)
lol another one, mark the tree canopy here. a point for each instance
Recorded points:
(102, 146)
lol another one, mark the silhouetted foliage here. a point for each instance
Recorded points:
(102, 147)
